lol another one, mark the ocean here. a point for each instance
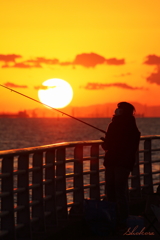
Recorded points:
(30, 132)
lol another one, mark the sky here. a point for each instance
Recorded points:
(108, 51)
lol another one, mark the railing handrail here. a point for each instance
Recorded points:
(15, 152)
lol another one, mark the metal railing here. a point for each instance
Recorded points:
(40, 184)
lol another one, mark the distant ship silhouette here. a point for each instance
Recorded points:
(20, 114)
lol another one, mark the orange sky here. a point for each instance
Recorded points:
(107, 50)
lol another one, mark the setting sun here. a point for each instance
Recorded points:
(55, 93)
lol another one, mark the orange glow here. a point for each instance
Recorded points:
(108, 51)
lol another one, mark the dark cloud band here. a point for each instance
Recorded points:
(154, 77)
(152, 60)
(9, 57)
(13, 85)
(101, 86)
(85, 59)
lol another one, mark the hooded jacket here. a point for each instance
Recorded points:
(121, 142)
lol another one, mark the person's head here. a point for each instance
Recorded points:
(125, 108)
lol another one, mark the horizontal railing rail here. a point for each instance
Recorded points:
(39, 186)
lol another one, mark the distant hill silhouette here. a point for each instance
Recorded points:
(95, 111)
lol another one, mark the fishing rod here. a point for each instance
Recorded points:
(53, 108)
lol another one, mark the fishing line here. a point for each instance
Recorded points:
(53, 108)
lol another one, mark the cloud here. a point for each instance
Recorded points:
(12, 85)
(101, 86)
(114, 61)
(154, 77)
(152, 60)
(89, 59)
(43, 87)
(66, 63)
(30, 63)
(85, 59)
(23, 65)
(40, 60)
(9, 57)
(93, 59)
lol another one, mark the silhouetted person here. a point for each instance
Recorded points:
(121, 144)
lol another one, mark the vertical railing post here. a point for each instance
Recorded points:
(61, 198)
(50, 204)
(23, 216)
(7, 203)
(78, 196)
(135, 181)
(37, 192)
(148, 167)
(94, 177)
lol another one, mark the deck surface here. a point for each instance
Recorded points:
(77, 232)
